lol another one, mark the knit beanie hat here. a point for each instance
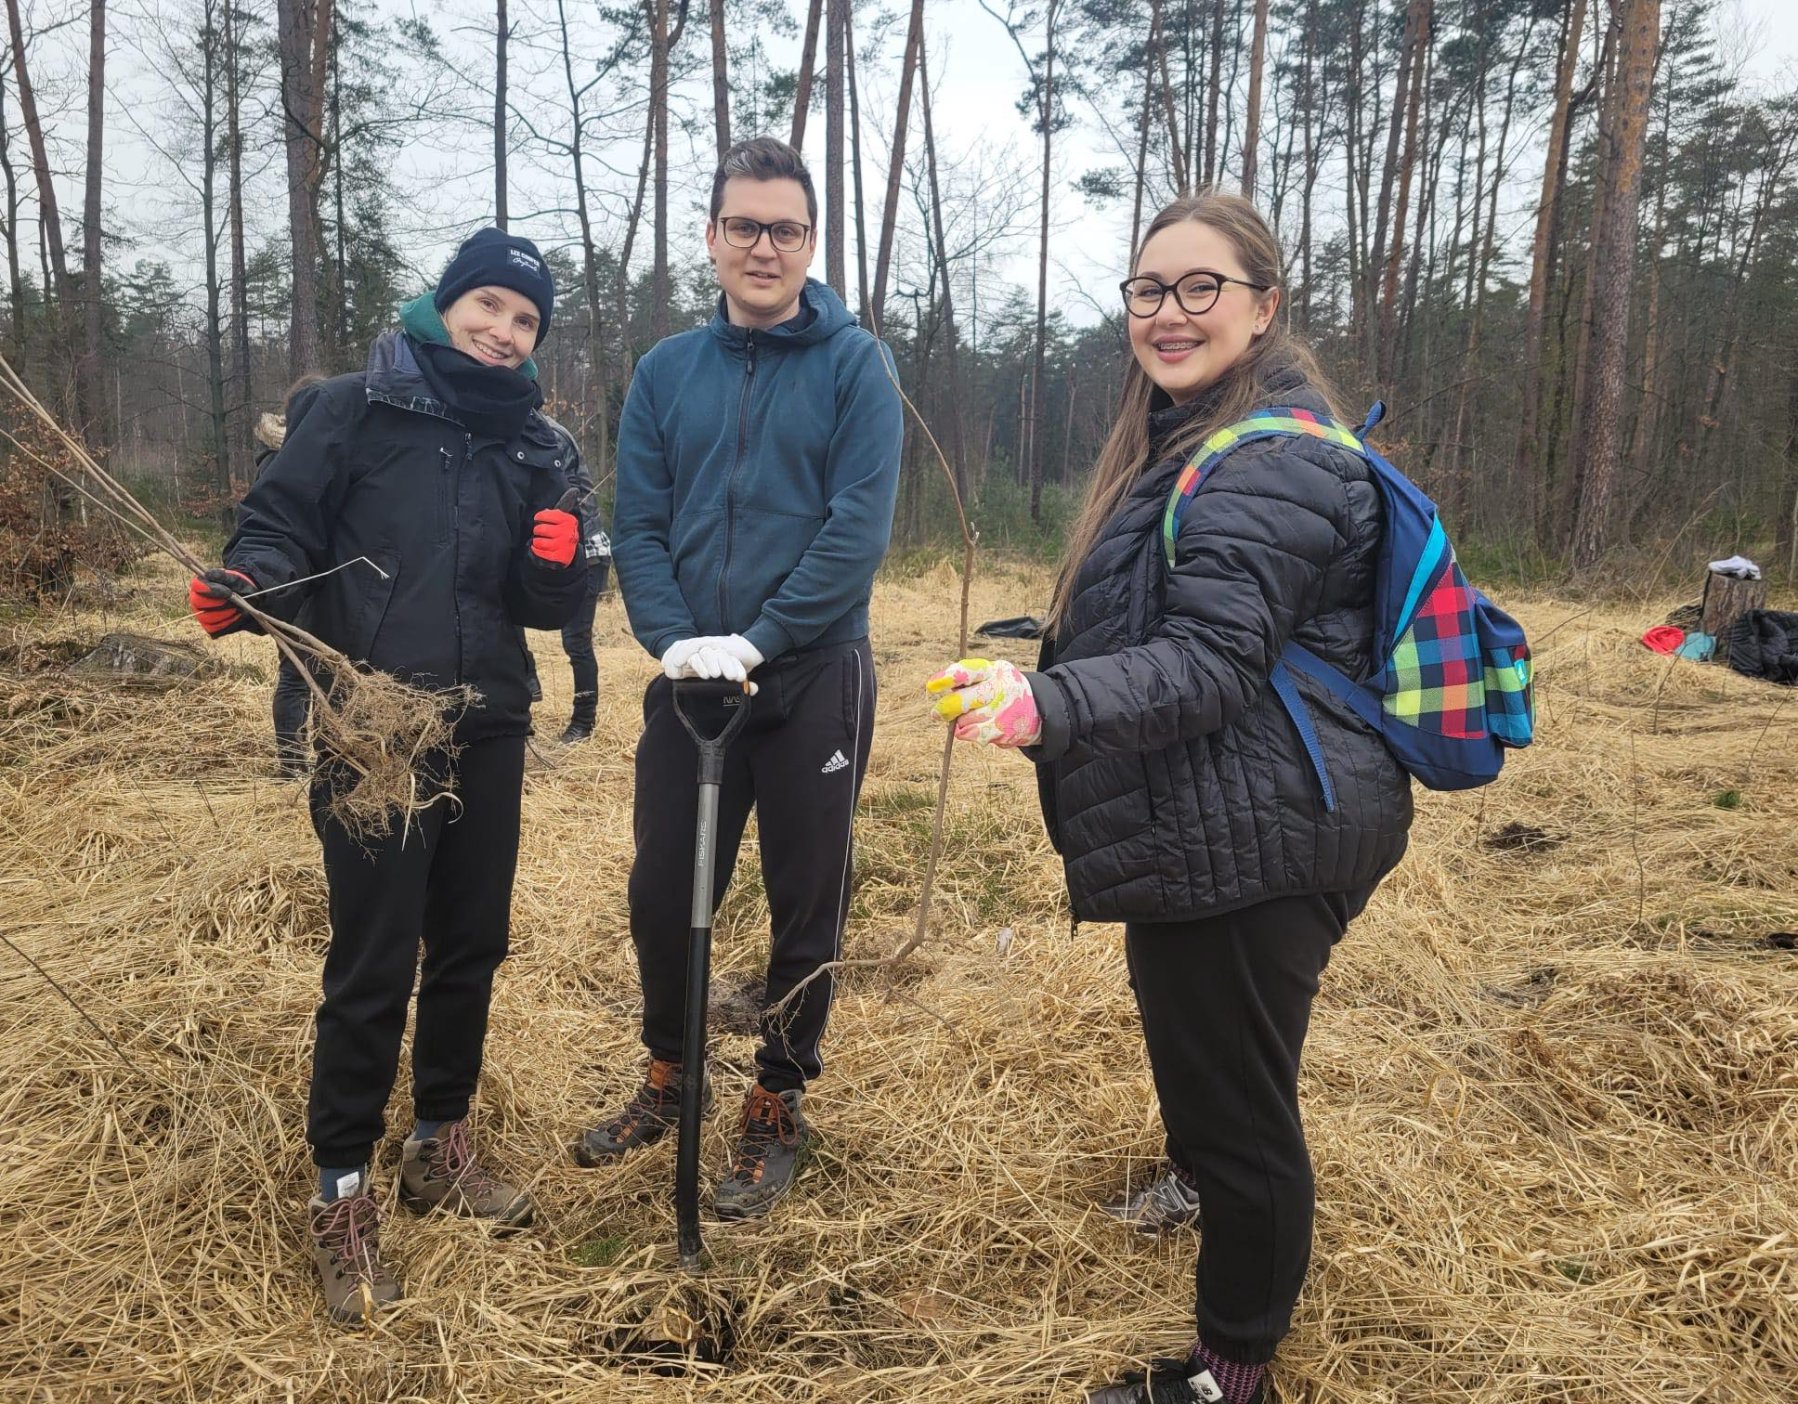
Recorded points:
(491, 258)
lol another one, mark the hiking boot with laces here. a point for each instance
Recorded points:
(774, 1136)
(444, 1173)
(576, 732)
(1175, 1381)
(1171, 1201)
(652, 1112)
(346, 1249)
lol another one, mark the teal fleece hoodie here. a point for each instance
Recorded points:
(757, 472)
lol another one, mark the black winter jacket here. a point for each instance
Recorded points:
(1173, 782)
(373, 465)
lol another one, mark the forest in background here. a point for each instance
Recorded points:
(1555, 236)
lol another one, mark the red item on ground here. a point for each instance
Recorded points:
(1664, 638)
(215, 613)
(555, 535)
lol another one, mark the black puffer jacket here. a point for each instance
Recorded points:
(1174, 783)
(374, 466)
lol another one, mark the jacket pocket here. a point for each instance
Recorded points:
(369, 614)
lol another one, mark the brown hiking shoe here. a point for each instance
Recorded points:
(443, 1173)
(652, 1112)
(346, 1248)
(770, 1146)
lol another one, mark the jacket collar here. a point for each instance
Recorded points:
(821, 316)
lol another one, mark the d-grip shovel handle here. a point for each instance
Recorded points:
(713, 747)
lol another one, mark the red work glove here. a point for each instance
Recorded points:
(556, 532)
(205, 597)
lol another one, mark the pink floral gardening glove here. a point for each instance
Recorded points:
(988, 702)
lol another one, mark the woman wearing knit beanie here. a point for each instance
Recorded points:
(416, 516)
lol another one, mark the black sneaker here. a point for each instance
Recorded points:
(773, 1140)
(1171, 1201)
(576, 732)
(652, 1112)
(1169, 1381)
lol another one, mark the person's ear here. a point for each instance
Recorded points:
(1264, 314)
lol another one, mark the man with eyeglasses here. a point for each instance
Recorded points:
(758, 462)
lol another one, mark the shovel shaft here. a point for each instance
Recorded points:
(699, 971)
(711, 748)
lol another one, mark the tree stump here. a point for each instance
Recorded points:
(135, 658)
(1726, 599)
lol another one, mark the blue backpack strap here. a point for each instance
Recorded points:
(1351, 694)
(1288, 693)
(1375, 413)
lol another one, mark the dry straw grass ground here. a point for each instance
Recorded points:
(1552, 1087)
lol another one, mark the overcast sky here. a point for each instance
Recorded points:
(978, 75)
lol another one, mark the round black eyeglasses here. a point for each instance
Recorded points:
(1196, 293)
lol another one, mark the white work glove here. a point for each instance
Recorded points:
(747, 653)
(712, 656)
(674, 659)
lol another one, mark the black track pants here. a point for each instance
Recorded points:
(293, 700)
(445, 885)
(799, 761)
(577, 643)
(1225, 1004)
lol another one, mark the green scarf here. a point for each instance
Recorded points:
(421, 321)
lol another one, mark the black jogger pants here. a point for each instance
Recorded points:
(1225, 1004)
(444, 884)
(799, 761)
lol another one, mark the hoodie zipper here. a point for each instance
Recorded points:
(730, 480)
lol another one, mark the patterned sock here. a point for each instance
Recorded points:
(1237, 1381)
(427, 1130)
(339, 1182)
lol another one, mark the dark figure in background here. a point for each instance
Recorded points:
(577, 633)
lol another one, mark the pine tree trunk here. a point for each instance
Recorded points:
(209, 226)
(16, 283)
(1528, 434)
(1140, 175)
(1419, 23)
(889, 213)
(1046, 113)
(1415, 20)
(1211, 96)
(837, 224)
(50, 217)
(240, 281)
(1251, 136)
(1613, 267)
(658, 101)
(1182, 182)
(301, 105)
(808, 57)
(90, 400)
(596, 333)
(720, 80)
(862, 287)
(501, 33)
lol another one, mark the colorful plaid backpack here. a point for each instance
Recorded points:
(1450, 686)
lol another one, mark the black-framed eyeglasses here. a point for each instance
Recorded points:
(741, 232)
(1196, 292)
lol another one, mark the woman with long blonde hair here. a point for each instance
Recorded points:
(1179, 789)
